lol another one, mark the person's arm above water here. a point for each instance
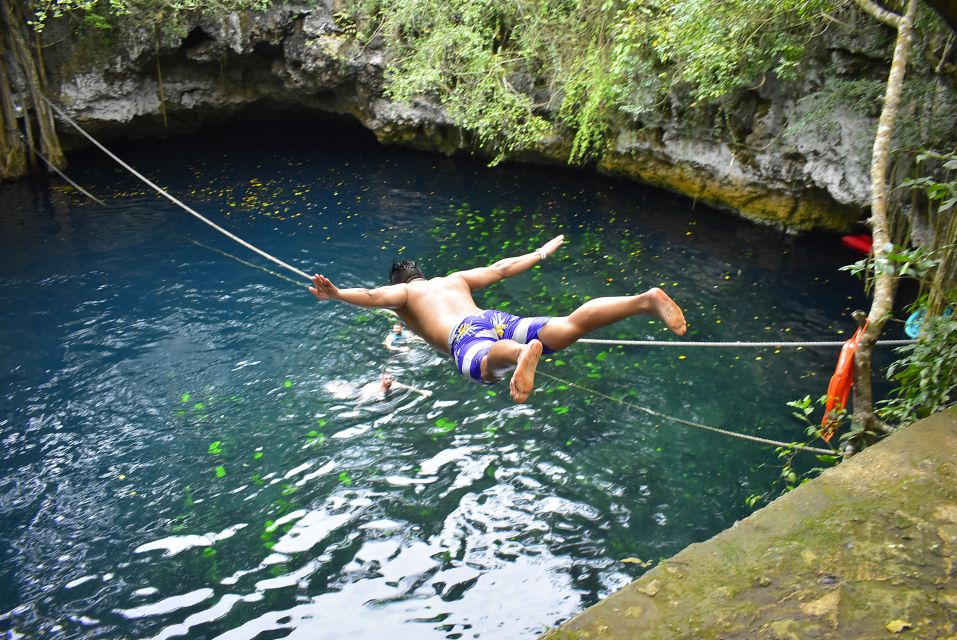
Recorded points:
(425, 393)
(391, 297)
(507, 267)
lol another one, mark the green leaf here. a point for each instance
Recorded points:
(220, 471)
(215, 448)
(445, 425)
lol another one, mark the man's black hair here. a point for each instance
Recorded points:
(403, 271)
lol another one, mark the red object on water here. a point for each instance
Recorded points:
(861, 242)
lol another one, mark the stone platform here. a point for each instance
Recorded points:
(866, 550)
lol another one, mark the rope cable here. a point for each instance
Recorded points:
(246, 262)
(687, 343)
(173, 199)
(690, 423)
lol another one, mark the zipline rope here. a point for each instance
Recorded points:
(686, 343)
(247, 263)
(689, 423)
(173, 199)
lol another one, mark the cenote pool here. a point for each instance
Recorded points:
(183, 456)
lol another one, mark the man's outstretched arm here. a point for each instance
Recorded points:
(508, 267)
(391, 297)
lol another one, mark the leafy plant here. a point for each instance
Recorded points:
(102, 15)
(791, 476)
(506, 72)
(898, 261)
(926, 373)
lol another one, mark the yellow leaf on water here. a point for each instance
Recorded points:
(896, 626)
(641, 563)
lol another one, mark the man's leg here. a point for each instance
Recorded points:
(505, 355)
(601, 312)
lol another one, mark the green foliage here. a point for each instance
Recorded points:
(719, 47)
(101, 14)
(790, 475)
(459, 53)
(505, 70)
(926, 373)
(943, 194)
(897, 262)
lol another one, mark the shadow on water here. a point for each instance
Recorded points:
(182, 450)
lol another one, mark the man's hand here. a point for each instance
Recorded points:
(552, 245)
(323, 289)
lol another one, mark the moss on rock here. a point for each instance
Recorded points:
(867, 550)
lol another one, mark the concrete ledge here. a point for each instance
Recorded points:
(867, 550)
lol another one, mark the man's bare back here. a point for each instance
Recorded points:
(432, 308)
(436, 305)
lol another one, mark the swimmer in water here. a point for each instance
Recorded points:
(487, 344)
(377, 391)
(398, 335)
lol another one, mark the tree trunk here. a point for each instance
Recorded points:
(884, 279)
(26, 118)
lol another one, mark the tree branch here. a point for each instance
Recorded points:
(889, 18)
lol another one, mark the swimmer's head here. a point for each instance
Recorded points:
(397, 328)
(387, 381)
(404, 271)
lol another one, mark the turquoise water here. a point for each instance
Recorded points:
(183, 455)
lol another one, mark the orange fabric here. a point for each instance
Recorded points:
(840, 386)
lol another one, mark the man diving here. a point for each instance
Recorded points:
(486, 345)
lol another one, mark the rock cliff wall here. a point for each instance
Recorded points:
(765, 165)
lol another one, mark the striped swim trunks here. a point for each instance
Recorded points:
(470, 339)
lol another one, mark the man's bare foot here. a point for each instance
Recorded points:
(666, 309)
(523, 380)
